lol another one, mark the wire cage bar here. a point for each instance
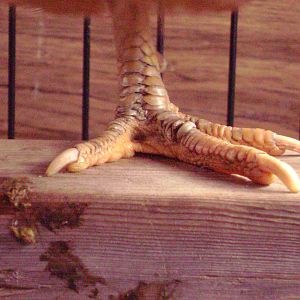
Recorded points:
(160, 28)
(86, 79)
(11, 72)
(232, 68)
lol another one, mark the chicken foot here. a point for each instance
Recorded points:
(146, 121)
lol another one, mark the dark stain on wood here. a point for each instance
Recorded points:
(24, 234)
(15, 196)
(153, 290)
(16, 191)
(53, 218)
(60, 215)
(94, 293)
(63, 264)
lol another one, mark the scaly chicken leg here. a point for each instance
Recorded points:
(146, 121)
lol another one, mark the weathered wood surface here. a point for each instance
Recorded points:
(173, 226)
(49, 63)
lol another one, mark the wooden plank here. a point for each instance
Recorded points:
(150, 227)
(49, 76)
(142, 177)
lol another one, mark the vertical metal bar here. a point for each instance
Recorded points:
(11, 71)
(86, 78)
(160, 28)
(232, 68)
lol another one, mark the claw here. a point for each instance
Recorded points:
(282, 170)
(287, 143)
(62, 160)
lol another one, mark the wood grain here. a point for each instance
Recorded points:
(49, 63)
(157, 221)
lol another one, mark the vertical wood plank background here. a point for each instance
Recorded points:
(49, 63)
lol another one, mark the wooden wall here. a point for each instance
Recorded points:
(49, 62)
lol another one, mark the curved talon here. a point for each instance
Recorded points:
(62, 160)
(282, 170)
(287, 143)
